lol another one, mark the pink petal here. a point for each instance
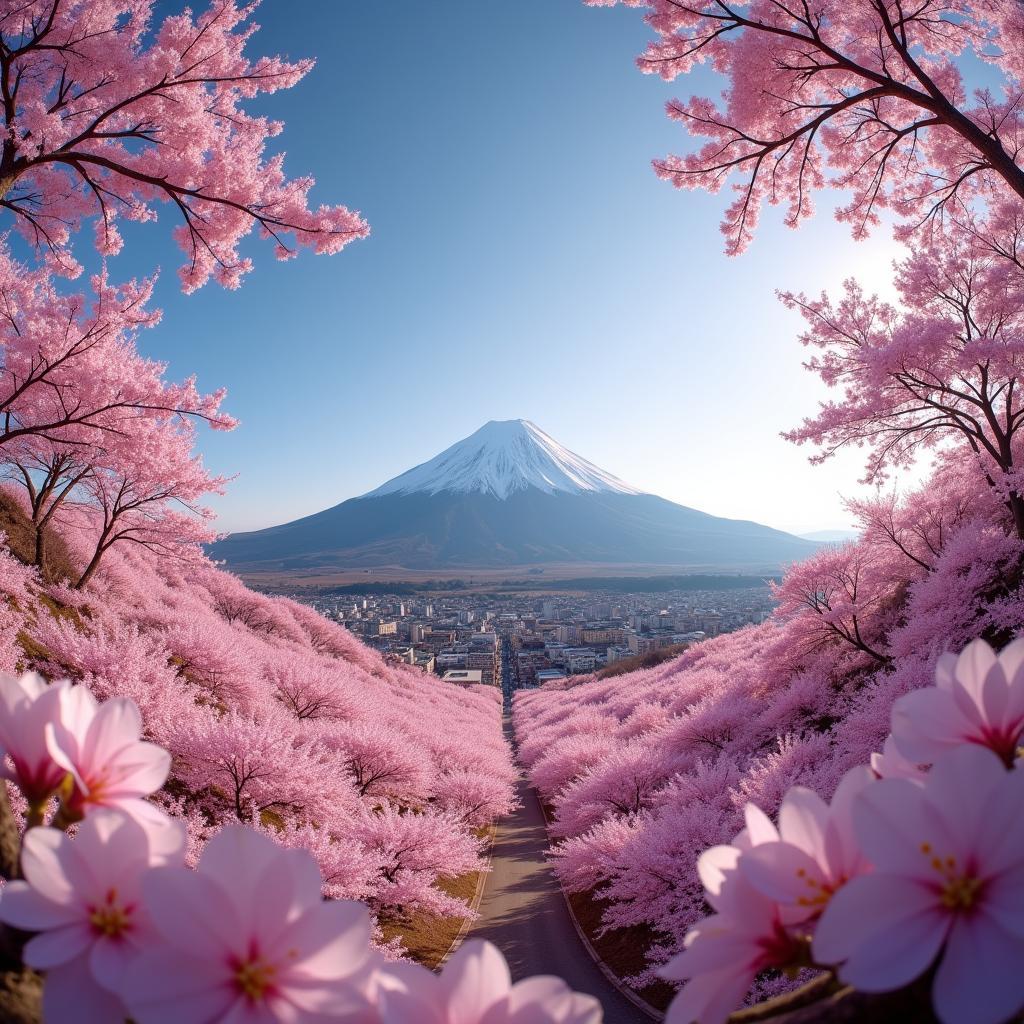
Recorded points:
(168, 987)
(140, 770)
(999, 839)
(864, 908)
(71, 996)
(1004, 900)
(759, 826)
(893, 819)
(330, 943)
(116, 725)
(59, 946)
(924, 723)
(410, 994)
(973, 667)
(245, 1012)
(979, 980)
(110, 960)
(713, 866)
(53, 868)
(945, 671)
(23, 907)
(960, 787)
(287, 889)
(803, 818)
(166, 835)
(65, 735)
(240, 860)
(192, 913)
(843, 853)
(782, 872)
(539, 999)
(712, 945)
(475, 978)
(710, 998)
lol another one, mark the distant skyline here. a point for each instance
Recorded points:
(524, 262)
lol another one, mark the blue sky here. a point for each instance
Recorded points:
(524, 262)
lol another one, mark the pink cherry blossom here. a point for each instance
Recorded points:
(475, 987)
(948, 855)
(99, 745)
(27, 707)
(816, 851)
(247, 938)
(978, 698)
(724, 953)
(82, 896)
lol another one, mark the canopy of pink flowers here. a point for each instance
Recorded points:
(279, 718)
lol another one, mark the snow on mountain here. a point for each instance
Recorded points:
(502, 457)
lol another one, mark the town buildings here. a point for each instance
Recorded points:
(539, 637)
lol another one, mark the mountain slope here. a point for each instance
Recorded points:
(510, 495)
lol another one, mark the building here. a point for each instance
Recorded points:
(462, 677)
(548, 675)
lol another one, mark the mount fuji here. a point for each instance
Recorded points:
(510, 495)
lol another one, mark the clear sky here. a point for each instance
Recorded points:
(524, 262)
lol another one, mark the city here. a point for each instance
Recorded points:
(519, 641)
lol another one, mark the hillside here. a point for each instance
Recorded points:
(274, 716)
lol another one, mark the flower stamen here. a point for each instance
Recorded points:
(110, 918)
(254, 978)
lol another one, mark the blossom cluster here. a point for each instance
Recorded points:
(916, 864)
(124, 930)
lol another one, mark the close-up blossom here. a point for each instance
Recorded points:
(725, 952)
(100, 746)
(978, 697)
(82, 897)
(947, 884)
(247, 938)
(28, 704)
(816, 851)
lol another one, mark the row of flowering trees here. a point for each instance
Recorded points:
(913, 112)
(275, 716)
(265, 713)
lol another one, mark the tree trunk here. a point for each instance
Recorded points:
(89, 569)
(40, 558)
(1016, 503)
(21, 993)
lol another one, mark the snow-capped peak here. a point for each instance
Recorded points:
(502, 457)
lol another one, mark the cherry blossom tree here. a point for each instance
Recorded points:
(870, 91)
(69, 369)
(941, 368)
(109, 110)
(148, 492)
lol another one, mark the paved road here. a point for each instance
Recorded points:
(523, 913)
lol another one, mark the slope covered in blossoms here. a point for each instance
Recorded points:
(275, 716)
(646, 770)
